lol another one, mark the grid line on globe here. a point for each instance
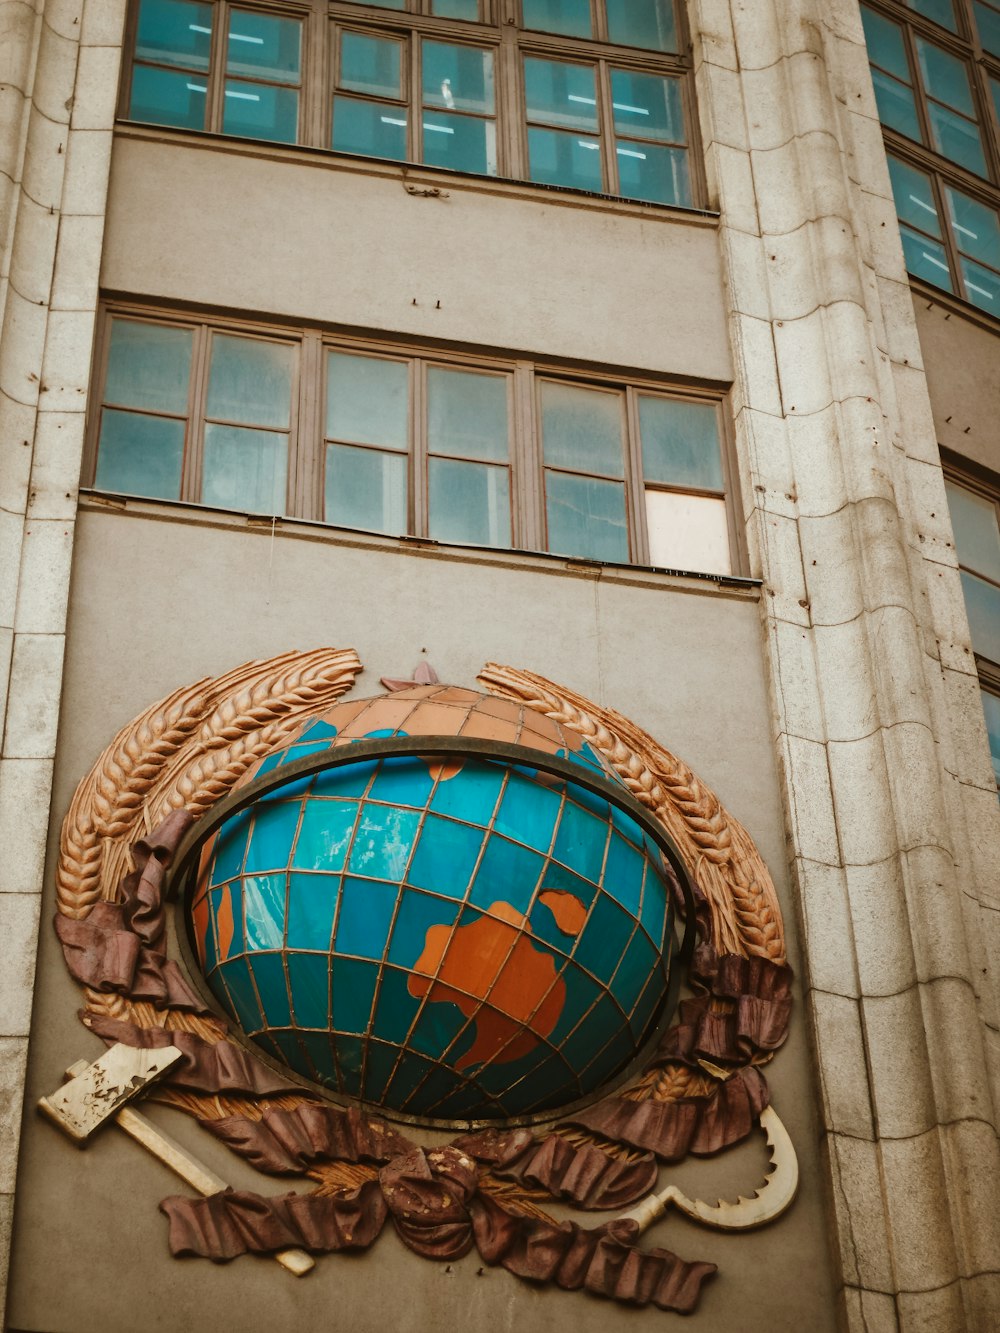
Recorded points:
(449, 939)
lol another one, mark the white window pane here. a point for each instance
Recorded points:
(366, 488)
(245, 469)
(688, 532)
(982, 602)
(467, 414)
(250, 381)
(469, 502)
(991, 707)
(367, 399)
(977, 535)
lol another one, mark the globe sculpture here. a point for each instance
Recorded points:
(451, 938)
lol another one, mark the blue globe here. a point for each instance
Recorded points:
(458, 939)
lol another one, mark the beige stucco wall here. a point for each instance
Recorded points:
(157, 603)
(963, 377)
(297, 237)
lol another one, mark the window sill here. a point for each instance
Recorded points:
(415, 178)
(925, 291)
(541, 562)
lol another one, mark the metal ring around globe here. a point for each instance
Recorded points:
(489, 751)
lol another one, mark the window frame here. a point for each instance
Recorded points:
(308, 441)
(215, 76)
(978, 481)
(499, 30)
(966, 46)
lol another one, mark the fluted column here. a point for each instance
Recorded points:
(891, 811)
(59, 63)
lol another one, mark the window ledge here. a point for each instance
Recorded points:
(542, 562)
(925, 291)
(435, 182)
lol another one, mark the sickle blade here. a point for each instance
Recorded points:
(769, 1202)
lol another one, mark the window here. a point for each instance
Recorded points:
(579, 94)
(457, 449)
(936, 70)
(975, 515)
(217, 67)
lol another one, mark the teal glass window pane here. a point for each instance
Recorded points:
(884, 40)
(460, 143)
(324, 838)
(149, 365)
(914, 197)
(250, 381)
(366, 488)
(174, 32)
(467, 414)
(647, 106)
(956, 138)
(367, 399)
(977, 228)
(264, 47)
(982, 286)
(264, 910)
(561, 94)
(309, 977)
(458, 78)
(571, 18)
(896, 107)
(982, 601)
(977, 534)
(312, 904)
(926, 259)
(988, 23)
(586, 517)
(371, 65)
(557, 158)
(646, 23)
(945, 77)
(245, 469)
(939, 11)
(165, 97)
(680, 443)
(376, 129)
(140, 455)
(582, 429)
(456, 9)
(260, 111)
(995, 92)
(991, 707)
(646, 171)
(469, 502)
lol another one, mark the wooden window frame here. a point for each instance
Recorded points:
(499, 30)
(307, 439)
(965, 45)
(215, 76)
(978, 481)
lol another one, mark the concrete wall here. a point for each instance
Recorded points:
(157, 603)
(633, 288)
(963, 379)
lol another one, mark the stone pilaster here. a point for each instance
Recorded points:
(890, 807)
(59, 62)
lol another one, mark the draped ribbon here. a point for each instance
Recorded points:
(740, 1013)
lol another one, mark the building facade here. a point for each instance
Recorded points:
(642, 347)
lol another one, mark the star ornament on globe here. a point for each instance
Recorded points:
(482, 932)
